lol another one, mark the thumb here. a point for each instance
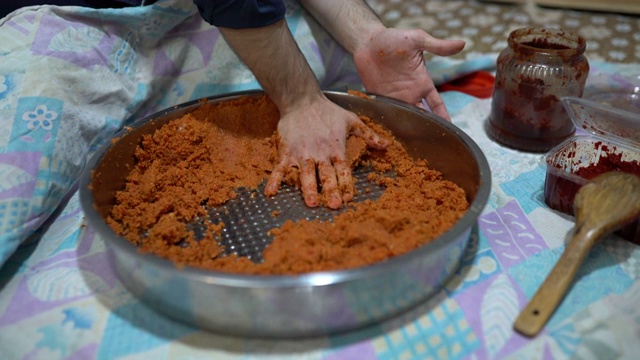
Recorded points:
(438, 46)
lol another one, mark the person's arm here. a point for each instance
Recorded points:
(390, 61)
(352, 23)
(312, 129)
(272, 55)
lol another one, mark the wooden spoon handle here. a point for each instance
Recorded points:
(536, 314)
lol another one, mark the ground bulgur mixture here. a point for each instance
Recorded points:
(198, 160)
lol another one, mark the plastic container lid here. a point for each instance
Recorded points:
(596, 122)
(614, 128)
(619, 124)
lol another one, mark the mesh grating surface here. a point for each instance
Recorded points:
(251, 215)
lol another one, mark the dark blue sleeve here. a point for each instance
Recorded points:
(237, 14)
(7, 6)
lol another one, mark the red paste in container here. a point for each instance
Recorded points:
(560, 189)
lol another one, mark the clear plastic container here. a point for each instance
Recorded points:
(537, 68)
(609, 141)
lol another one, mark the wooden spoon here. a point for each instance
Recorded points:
(601, 206)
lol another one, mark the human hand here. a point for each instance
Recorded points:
(312, 138)
(391, 63)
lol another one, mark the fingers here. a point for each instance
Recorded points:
(327, 175)
(346, 185)
(444, 114)
(436, 104)
(369, 136)
(438, 46)
(320, 157)
(308, 183)
(275, 179)
(336, 179)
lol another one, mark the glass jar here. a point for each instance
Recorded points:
(537, 68)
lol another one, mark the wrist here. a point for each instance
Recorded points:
(351, 22)
(365, 37)
(295, 101)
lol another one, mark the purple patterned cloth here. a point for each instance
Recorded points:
(69, 78)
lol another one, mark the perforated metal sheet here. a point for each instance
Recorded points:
(251, 215)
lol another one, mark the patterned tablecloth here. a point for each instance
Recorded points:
(485, 25)
(59, 299)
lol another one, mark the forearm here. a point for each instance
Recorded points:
(351, 22)
(274, 58)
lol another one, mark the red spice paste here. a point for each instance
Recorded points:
(560, 191)
(532, 76)
(545, 44)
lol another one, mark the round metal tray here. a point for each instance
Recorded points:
(291, 306)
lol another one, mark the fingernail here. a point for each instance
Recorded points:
(336, 201)
(426, 106)
(270, 190)
(334, 206)
(311, 200)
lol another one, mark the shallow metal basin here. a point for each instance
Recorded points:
(306, 305)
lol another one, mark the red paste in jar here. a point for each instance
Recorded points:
(537, 69)
(545, 44)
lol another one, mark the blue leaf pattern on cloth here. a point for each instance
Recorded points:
(6, 85)
(13, 176)
(76, 39)
(498, 310)
(60, 237)
(3, 84)
(144, 330)
(564, 340)
(53, 338)
(125, 56)
(43, 286)
(188, 55)
(80, 318)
